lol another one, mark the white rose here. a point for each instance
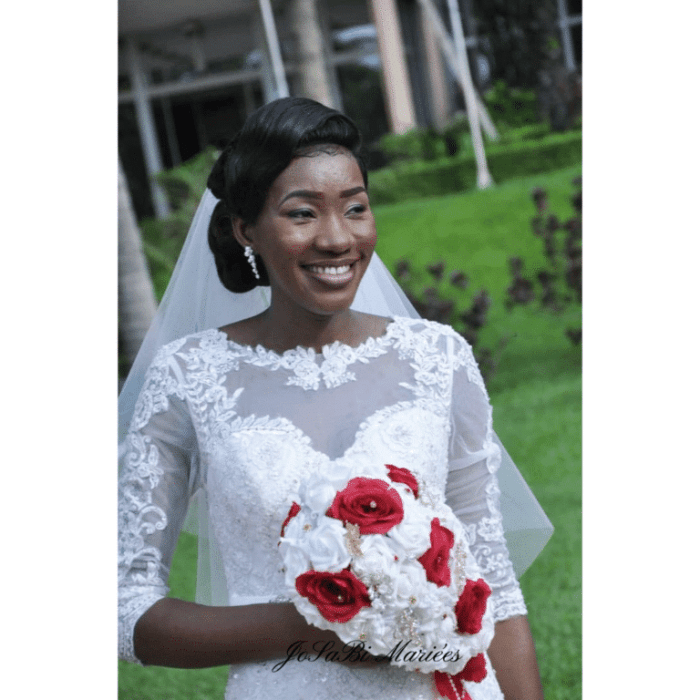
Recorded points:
(297, 530)
(411, 583)
(317, 494)
(296, 562)
(379, 564)
(337, 474)
(375, 470)
(413, 532)
(325, 545)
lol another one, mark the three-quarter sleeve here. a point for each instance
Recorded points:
(472, 486)
(156, 481)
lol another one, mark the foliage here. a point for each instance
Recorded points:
(478, 231)
(363, 100)
(163, 238)
(524, 45)
(506, 160)
(416, 144)
(519, 35)
(511, 107)
(514, 112)
(560, 280)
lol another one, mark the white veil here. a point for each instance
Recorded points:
(196, 300)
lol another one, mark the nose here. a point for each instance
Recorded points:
(335, 235)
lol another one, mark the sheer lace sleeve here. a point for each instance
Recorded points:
(157, 478)
(472, 487)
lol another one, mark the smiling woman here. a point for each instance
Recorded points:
(294, 194)
(303, 398)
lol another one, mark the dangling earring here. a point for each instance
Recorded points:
(248, 251)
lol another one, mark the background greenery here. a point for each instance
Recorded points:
(536, 394)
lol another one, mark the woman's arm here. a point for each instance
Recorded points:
(181, 634)
(512, 653)
(472, 492)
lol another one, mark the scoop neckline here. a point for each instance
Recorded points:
(325, 349)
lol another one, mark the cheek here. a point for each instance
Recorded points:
(296, 248)
(369, 240)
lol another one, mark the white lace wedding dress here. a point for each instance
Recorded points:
(247, 424)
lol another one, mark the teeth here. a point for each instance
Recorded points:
(330, 270)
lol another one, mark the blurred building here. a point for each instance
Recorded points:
(190, 71)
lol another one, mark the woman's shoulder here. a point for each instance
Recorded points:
(207, 339)
(428, 329)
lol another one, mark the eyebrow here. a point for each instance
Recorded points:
(308, 194)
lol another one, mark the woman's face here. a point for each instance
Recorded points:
(315, 234)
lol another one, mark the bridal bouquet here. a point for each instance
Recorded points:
(371, 555)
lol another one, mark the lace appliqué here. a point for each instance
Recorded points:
(306, 372)
(158, 385)
(140, 565)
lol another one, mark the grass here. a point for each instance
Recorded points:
(536, 394)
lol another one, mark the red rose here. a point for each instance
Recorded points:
(403, 476)
(475, 670)
(370, 503)
(471, 606)
(451, 686)
(338, 596)
(436, 560)
(292, 512)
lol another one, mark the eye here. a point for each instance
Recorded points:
(300, 214)
(357, 209)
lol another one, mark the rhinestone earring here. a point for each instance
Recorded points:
(250, 255)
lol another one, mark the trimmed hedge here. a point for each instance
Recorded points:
(448, 175)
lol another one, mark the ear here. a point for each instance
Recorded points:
(242, 232)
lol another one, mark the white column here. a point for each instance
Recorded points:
(483, 176)
(273, 46)
(147, 128)
(450, 54)
(397, 85)
(199, 59)
(267, 78)
(566, 36)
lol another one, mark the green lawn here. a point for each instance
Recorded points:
(536, 394)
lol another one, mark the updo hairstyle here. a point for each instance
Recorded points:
(242, 176)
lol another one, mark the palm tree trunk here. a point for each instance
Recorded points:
(137, 303)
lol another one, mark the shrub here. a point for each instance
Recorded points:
(406, 181)
(163, 238)
(511, 107)
(559, 283)
(417, 144)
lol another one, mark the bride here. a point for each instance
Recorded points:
(228, 420)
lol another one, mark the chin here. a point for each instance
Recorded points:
(330, 308)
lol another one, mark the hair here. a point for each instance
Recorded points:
(241, 178)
